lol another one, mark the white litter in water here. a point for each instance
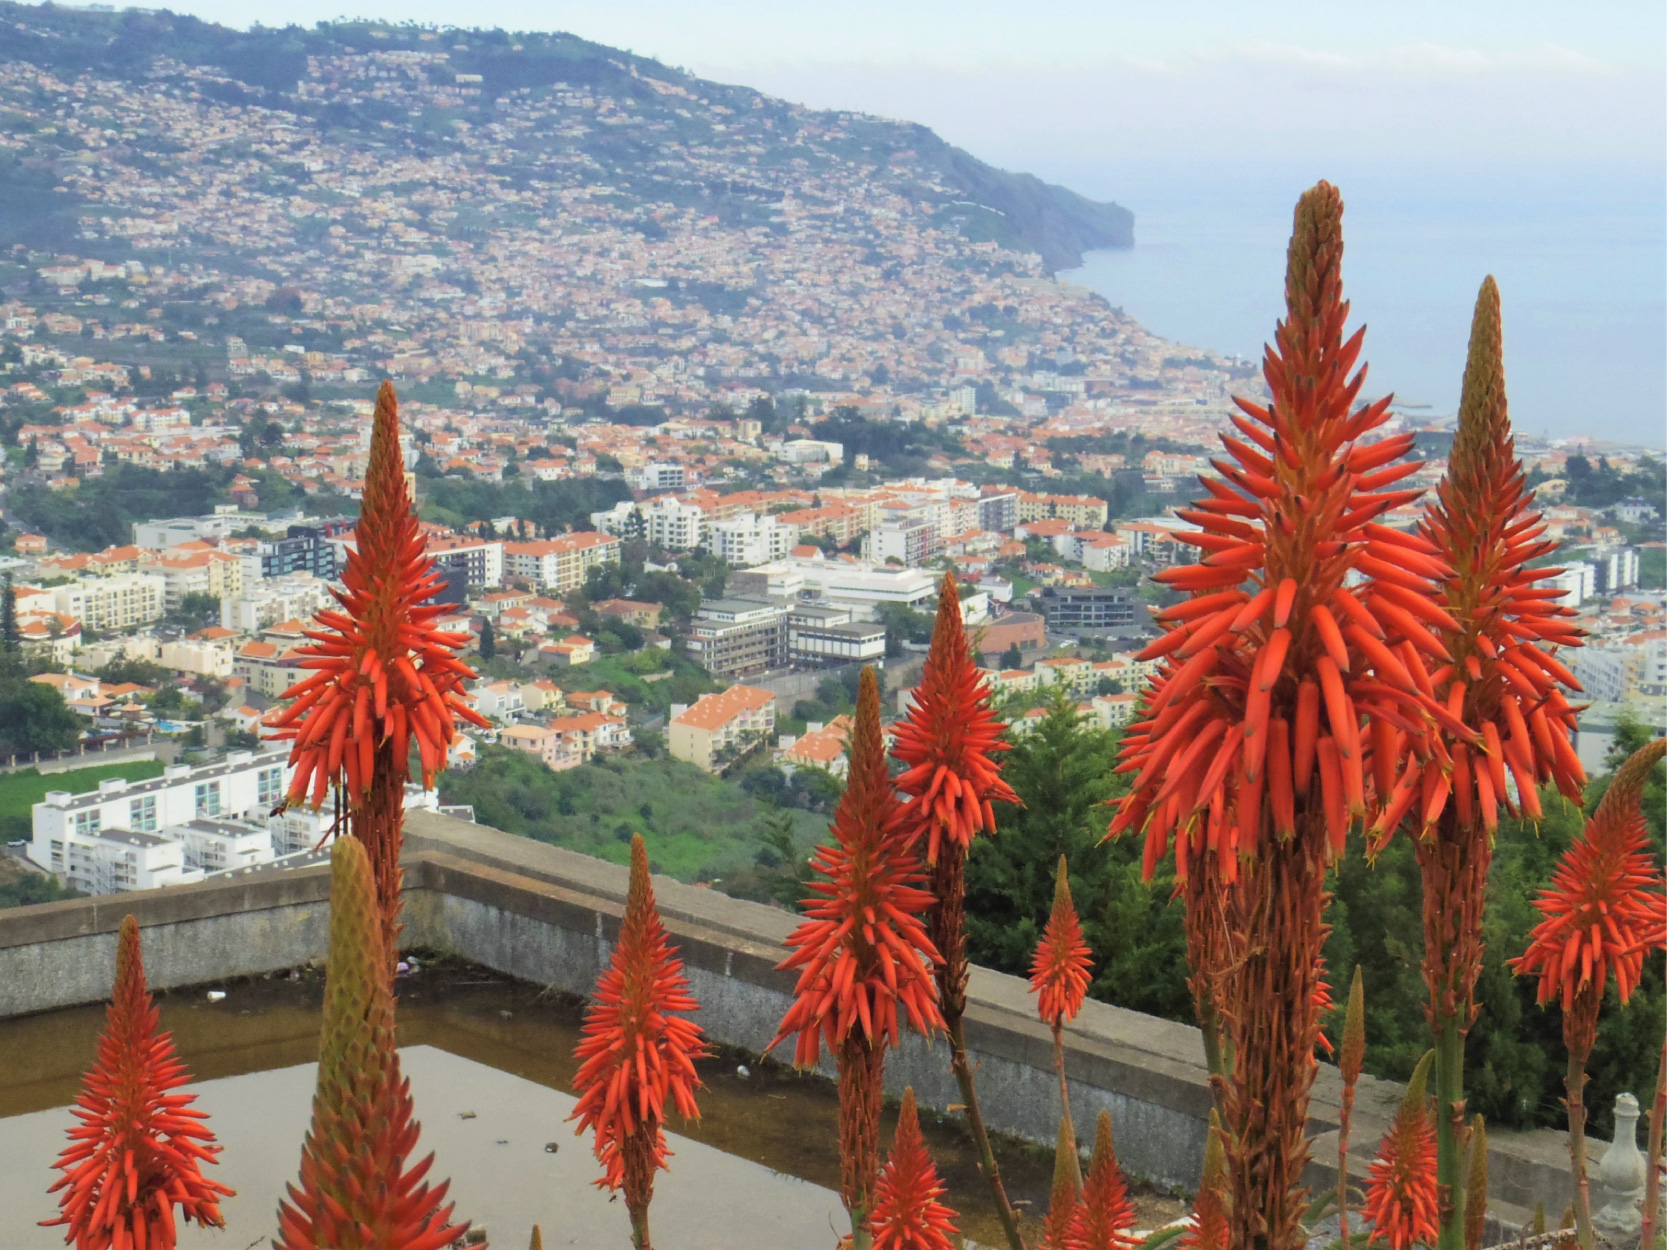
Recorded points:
(215, 996)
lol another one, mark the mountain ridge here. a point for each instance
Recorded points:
(264, 65)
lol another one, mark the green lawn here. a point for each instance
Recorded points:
(697, 826)
(20, 791)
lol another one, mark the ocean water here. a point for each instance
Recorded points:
(1580, 254)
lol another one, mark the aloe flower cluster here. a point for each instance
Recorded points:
(864, 959)
(139, 1149)
(636, 1056)
(1304, 620)
(909, 1213)
(385, 676)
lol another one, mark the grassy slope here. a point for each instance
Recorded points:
(20, 791)
(697, 826)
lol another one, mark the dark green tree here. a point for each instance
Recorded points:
(8, 617)
(1062, 772)
(488, 641)
(1012, 658)
(34, 717)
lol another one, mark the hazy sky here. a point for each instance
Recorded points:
(1045, 83)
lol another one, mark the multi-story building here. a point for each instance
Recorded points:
(910, 540)
(219, 845)
(675, 524)
(294, 598)
(720, 728)
(750, 539)
(733, 638)
(113, 861)
(245, 787)
(268, 668)
(998, 511)
(224, 521)
(543, 742)
(113, 603)
(839, 522)
(826, 634)
(1091, 609)
(1616, 570)
(1083, 511)
(659, 475)
(482, 557)
(1577, 581)
(191, 570)
(306, 549)
(560, 564)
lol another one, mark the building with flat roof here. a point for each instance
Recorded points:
(720, 728)
(560, 564)
(733, 638)
(114, 861)
(826, 634)
(1092, 609)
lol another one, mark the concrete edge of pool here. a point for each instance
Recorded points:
(548, 915)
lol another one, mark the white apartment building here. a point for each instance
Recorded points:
(226, 519)
(217, 573)
(659, 475)
(1578, 582)
(247, 786)
(111, 603)
(673, 523)
(560, 564)
(113, 861)
(751, 539)
(295, 597)
(483, 558)
(221, 845)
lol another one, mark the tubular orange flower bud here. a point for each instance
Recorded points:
(138, 1152)
(635, 1055)
(908, 1211)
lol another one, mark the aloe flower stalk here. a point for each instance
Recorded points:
(948, 745)
(1059, 978)
(1401, 1196)
(384, 676)
(862, 954)
(635, 1054)
(1476, 1186)
(1652, 1155)
(1504, 690)
(1066, 1196)
(909, 1213)
(138, 1150)
(1209, 1230)
(1300, 621)
(357, 1190)
(1105, 1216)
(1602, 914)
(1349, 1062)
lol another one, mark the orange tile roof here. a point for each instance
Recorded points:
(714, 711)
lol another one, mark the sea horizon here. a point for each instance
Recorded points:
(1580, 254)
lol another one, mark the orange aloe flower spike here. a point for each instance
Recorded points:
(383, 676)
(949, 741)
(908, 1213)
(1066, 1196)
(1401, 1193)
(635, 1055)
(138, 1150)
(1060, 969)
(1105, 1216)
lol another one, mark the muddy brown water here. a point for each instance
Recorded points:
(782, 1120)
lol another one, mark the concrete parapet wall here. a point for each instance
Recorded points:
(549, 916)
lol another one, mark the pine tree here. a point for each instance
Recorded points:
(8, 617)
(488, 641)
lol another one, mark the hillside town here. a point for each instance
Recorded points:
(693, 438)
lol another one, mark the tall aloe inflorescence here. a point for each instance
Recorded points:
(1059, 975)
(635, 1055)
(385, 676)
(138, 1150)
(357, 1191)
(1105, 1217)
(1250, 754)
(862, 953)
(948, 745)
(1502, 689)
(1602, 914)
